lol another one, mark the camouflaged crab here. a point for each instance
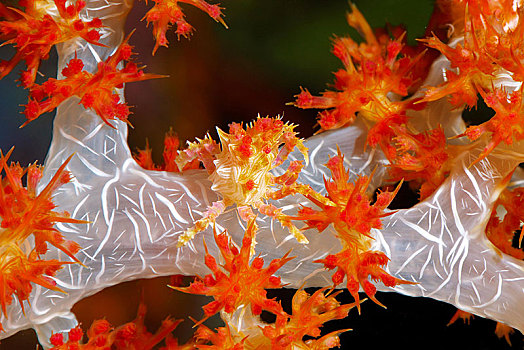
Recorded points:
(134, 219)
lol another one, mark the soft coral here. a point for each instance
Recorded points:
(97, 91)
(373, 72)
(34, 32)
(26, 215)
(168, 12)
(238, 282)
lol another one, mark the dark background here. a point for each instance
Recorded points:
(256, 66)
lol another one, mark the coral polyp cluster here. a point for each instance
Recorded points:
(238, 282)
(377, 83)
(166, 13)
(374, 72)
(481, 49)
(36, 30)
(102, 335)
(239, 289)
(97, 91)
(261, 208)
(144, 157)
(483, 54)
(27, 230)
(349, 210)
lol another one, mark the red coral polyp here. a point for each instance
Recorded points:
(166, 13)
(501, 231)
(131, 335)
(309, 313)
(26, 214)
(487, 49)
(505, 126)
(34, 33)
(372, 71)
(348, 207)
(424, 158)
(238, 282)
(97, 91)
(359, 267)
(353, 216)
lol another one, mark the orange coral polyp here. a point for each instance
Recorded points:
(222, 339)
(360, 266)
(500, 231)
(372, 71)
(506, 125)
(424, 158)
(25, 214)
(34, 33)
(348, 207)
(491, 32)
(19, 270)
(144, 157)
(462, 87)
(166, 13)
(97, 91)
(238, 282)
(132, 335)
(309, 313)
(353, 216)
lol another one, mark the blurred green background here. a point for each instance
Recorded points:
(221, 75)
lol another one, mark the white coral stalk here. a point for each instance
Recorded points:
(136, 216)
